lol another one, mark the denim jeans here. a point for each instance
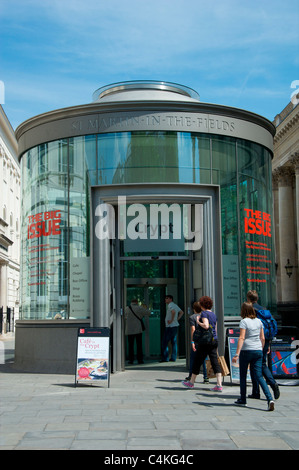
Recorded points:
(170, 334)
(265, 370)
(254, 360)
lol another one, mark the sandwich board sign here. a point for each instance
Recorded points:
(234, 367)
(93, 356)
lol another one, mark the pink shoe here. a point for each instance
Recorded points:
(217, 388)
(187, 384)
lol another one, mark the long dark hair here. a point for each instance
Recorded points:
(247, 310)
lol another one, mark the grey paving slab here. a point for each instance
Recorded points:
(259, 442)
(290, 438)
(145, 408)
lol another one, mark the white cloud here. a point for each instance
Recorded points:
(56, 53)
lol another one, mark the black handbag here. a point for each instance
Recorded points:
(203, 336)
(140, 319)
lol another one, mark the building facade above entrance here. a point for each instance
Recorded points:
(145, 106)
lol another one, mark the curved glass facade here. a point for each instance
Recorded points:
(56, 180)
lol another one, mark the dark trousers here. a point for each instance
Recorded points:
(267, 374)
(204, 367)
(131, 341)
(202, 352)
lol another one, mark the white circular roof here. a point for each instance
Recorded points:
(144, 90)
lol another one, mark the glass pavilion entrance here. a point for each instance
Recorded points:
(147, 268)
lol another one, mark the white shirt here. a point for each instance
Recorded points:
(252, 334)
(172, 306)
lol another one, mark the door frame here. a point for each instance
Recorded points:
(106, 285)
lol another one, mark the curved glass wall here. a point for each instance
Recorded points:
(56, 177)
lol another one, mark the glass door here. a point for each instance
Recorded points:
(150, 290)
(151, 297)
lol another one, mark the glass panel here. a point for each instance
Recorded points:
(225, 174)
(44, 259)
(79, 228)
(132, 157)
(89, 155)
(256, 238)
(55, 209)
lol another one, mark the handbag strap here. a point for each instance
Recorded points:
(140, 319)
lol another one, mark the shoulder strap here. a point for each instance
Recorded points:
(140, 319)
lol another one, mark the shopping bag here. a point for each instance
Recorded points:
(223, 365)
(210, 372)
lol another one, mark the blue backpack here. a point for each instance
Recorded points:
(269, 323)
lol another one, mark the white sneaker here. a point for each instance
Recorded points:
(271, 405)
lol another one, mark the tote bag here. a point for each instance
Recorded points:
(203, 336)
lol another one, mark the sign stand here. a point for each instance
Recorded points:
(93, 356)
(232, 342)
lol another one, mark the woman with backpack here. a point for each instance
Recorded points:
(269, 333)
(249, 353)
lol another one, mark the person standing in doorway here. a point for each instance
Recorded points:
(252, 297)
(134, 315)
(173, 315)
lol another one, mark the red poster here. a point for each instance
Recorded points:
(258, 251)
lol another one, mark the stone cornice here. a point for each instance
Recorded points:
(294, 162)
(283, 176)
(286, 126)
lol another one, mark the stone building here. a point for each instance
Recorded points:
(10, 180)
(285, 172)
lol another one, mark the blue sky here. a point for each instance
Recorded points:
(56, 53)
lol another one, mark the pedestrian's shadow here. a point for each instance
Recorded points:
(170, 380)
(229, 403)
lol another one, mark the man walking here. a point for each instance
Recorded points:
(173, 315)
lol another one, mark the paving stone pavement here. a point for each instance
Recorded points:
(145, 408)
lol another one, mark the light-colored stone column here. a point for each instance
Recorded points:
(275, 179)
(295, 163)
(287, 233)
(3, 291)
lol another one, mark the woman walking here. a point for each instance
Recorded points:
(207, 318)
(193, 326)
(250, 352)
